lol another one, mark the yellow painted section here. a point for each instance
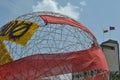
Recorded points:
(4, 54)
(18, 31)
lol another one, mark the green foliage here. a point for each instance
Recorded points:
(114, 75)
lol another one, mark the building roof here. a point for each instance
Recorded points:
(110, 41)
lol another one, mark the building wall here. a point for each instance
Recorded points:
(111, 51)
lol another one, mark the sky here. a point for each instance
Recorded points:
(94, 14)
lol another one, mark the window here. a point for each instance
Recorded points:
(109, 47)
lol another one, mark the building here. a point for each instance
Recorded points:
(111, 51)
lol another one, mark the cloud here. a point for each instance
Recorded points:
(51, 5)
(83, 3)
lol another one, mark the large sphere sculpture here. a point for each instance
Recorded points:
(58, 48)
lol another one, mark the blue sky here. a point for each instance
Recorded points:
(94, 14)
